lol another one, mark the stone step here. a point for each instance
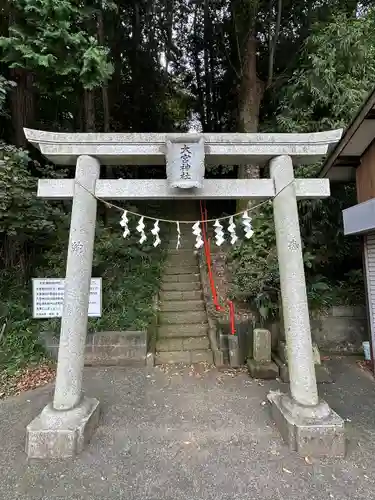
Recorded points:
(188, 236)
(182, 278)
(189, 295)
(186, 317)
(182, 269)
(180, 305)
(182, 330)
(187, 245)
(181, 264)
(182, 344)
(182, 252)
(181, 287)
(186, 357)
(187, 257)
(182, 255)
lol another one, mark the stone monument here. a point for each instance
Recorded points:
(260, 365)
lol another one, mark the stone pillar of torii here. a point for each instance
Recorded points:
(306, 423)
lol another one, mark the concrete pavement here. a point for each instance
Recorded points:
(188, 436)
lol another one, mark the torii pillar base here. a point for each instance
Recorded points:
(310, 431)
(62, 434)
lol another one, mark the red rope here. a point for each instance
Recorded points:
(207, 251)
(232, 317)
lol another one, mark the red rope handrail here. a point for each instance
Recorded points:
(232, 317)
(207, 251)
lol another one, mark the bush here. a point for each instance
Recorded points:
(33, 243)
(332, 261)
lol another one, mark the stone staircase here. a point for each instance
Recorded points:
(183, 327)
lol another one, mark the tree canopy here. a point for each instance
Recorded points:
(144, 65)
(163, 65)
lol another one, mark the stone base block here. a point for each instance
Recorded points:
(108, 348)
(62, 434)
(267, 371)
(218, 355)
(150, 360)
(313, 432)
(234, 351)
(322, 373)
(218, 358)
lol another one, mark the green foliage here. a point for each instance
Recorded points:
(332, 261)
(51, 36)
(19, 344)
(26, 223)
(22, 214)
(255, 268)
(130, 275)
(5, 87)
(130, 282)
(33, 243)
(158, 63)
(335, 72)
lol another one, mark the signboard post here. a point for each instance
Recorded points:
(48, 297)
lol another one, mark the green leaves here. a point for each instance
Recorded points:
(131, 277)
(22, 214)
(5, 87)
(335, 72)
(53, 36)
(95, 68)
(332, 261)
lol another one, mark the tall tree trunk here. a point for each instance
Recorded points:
(273, 38)
(135, 65)
(351, 7)
(106, 172)
(105, 99)
(106, 114)
(197, 68)
(89, 110)
(22, 104)
(169, 6)
(250, 97)
(207, 68)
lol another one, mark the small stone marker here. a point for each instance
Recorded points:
(234, 354)
(262, 346)
(261, 365)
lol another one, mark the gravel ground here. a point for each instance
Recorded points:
(191, 434)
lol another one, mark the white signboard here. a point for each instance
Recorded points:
(48, 297)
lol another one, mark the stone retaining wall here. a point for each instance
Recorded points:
(108, 348)
(342, 329)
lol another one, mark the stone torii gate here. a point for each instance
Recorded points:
(306, 423)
